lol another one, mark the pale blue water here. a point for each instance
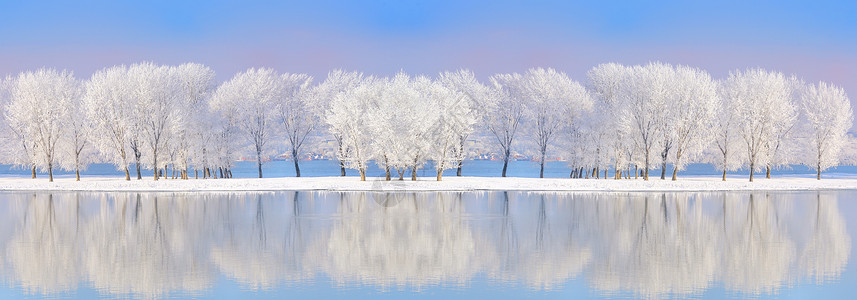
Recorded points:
(463, 245)
(556, 169)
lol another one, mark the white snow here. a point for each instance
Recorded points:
(699, 183)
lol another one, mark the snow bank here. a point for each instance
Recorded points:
(699, 183)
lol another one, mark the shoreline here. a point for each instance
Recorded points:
(426, 184)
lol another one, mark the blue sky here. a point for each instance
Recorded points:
(816, 40)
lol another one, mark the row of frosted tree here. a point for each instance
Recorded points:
(628, 119)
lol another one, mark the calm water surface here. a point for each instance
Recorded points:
(427, 245)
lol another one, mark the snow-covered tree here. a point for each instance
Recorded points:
(387, 119)
(108, 107)
(346, 118)
(225, 135)
(39, 109)
(337, 82)
(464, 81)
(762, 106)
(827, 112)
(418, 114)
(297, 112)
(726, 156)
(694, 107)
(646, 90)
(552, 100)
(250, 96)
(392, 120)
(18, 147)
(606, 82)
(75, 151)
(155, 92)
(196, 83)
(504, 113)
(781, 147)
(454, 118)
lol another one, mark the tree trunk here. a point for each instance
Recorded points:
(605, 173)
(414, 173)
(386, 168)
(596, 173)
(439, 173)
(646, 174)
(50, 172)
(818, 165)
(220, 170)
(768, 172)
(341, 169)
(127, 174)
(461, 152)
(752, 168)
(505, 165)
(724, 175)
(675, 173)
(362, 174)
(195, 173)
(34, 171)
(77, 174)
(663, 170)
(295, 158)
(155, 165)
(636, 171)
(258, 162)
(137, 161)
(542, 168)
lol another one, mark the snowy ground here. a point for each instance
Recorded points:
(697, 183)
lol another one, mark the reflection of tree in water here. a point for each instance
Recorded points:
(825, 255)
(43, 254)
(538, 241)
(653, 246)
(417, 242)
(157, 251)
(646, 244)
(263, 247)
(757, 250)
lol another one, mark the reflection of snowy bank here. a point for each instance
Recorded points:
(648, 245)
(450, 183)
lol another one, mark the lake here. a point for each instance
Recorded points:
(456, 245)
